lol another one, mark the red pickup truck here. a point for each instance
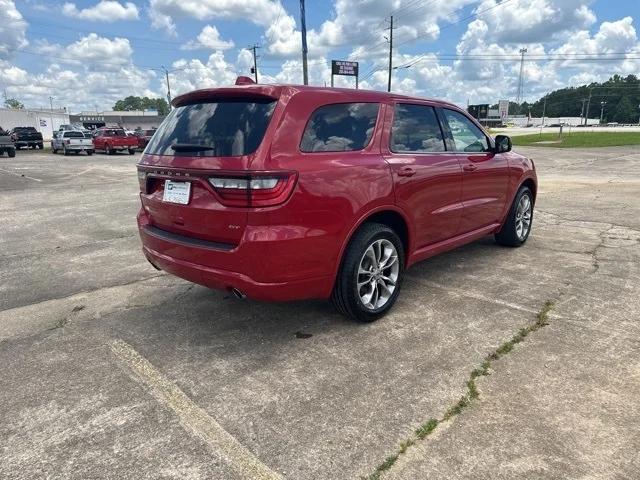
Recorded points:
(113, 140)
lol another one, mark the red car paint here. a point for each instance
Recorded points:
(292, 247)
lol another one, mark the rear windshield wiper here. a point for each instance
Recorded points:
(191, 147)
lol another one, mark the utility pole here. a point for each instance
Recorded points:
(544, 109)
(51, 105)
(602, 104)
(582, 109)
(166, 74)
(303, 30)
(521, 79)
(255, 62)
(390, 53)
(586, 113)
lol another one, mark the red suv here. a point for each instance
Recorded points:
(282, 192)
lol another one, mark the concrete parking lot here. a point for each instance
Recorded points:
(110, 369)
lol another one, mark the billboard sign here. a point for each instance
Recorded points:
(503, 109)
(342, 67)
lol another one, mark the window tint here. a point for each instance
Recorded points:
(416, 129)
(113, 133)
(73, 135)
(229, 127)
(340, 127)
(467, 137)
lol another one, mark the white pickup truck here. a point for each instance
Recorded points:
(71, 141)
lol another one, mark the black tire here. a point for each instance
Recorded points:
(54, 150)
(11, 152)
(65, 152)
(345, 296)
(508, 235)
(107, 149)
(89, 152)
(132, 151)
(40, 146)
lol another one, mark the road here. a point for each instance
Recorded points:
(111, 369)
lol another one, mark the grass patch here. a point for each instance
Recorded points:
(472, 393)
(575, 139)
(425, 429)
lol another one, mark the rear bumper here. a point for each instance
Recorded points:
(229, 270)
(79, 148)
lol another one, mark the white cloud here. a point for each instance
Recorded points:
(103, 11)
(260, 12)
(209, 38)
(99, 52)
(193, 74)
(12, 29)
(525, 21)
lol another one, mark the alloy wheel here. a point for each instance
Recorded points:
(523, 217)
(378, 274)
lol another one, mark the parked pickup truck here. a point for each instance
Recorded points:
(26, 137)
(113, 140)
(6, 144)
(71, 141)
(143, 137)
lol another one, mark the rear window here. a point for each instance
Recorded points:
(25, 129)
(416, 129)
(113, 133)
(73, 135)
(225, 128)
(340, 127)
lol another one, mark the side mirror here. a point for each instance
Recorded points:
(503, 144)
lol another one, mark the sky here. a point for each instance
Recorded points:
(87, 54)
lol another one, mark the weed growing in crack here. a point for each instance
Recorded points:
(424, 429)
(472, 393)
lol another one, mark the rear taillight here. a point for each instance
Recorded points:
(255, 189)
(142, 181)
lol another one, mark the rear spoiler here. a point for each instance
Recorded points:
(250, 91)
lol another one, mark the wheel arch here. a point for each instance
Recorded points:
(531, 184)
(389, 215)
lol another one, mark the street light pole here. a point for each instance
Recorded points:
(390, 53)
(305, 50)
(51, 105)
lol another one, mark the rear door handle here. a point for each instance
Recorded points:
(470, 167)
(406, 172)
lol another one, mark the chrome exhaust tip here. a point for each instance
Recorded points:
(153, 264)
(238, 294)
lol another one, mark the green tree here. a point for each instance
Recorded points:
(625, 111)
(13, 103)
(142, 103)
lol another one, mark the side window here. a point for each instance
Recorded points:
(467, 137)
(416, 129)
(340, 127)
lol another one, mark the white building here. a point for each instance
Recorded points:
(130, 120)
(42, 120)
